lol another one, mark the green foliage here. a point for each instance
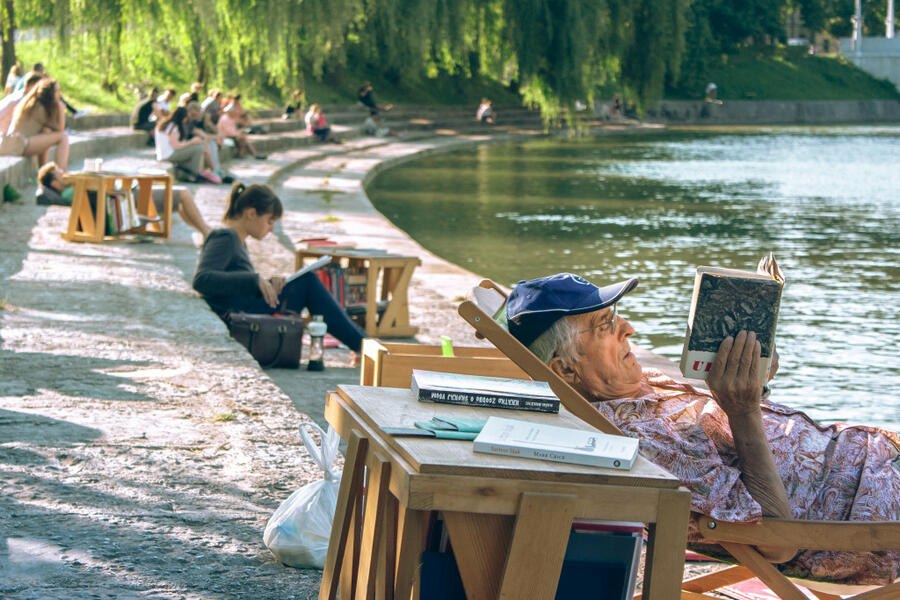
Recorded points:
(787, 74)
(554, 51)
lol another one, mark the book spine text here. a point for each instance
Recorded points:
(488, 401)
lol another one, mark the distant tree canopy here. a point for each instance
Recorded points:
(555, 51)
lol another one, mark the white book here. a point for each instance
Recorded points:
(317, 264)
(524, 439)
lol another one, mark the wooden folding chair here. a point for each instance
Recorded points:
(738, 539)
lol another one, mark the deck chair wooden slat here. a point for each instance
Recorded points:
(738, 539)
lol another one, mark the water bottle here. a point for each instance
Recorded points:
(317, 329)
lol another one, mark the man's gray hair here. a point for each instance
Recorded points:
(559, 340)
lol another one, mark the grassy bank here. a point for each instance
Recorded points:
(753, 74)
(789, 73)
(77, 73)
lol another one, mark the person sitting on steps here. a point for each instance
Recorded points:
(8, 105)
(40, 120)
(317, 125)
(186, 154)
(141, 115)
(228, 129)
(227, 280)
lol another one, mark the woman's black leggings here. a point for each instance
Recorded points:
(307, 291)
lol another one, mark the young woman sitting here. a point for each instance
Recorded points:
(39, 124)
(228, 282)
(317, 125)
(173, 145)
(228, 128)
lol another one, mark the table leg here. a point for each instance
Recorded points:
(387, 551)
(371, 301)
(664, 567)
(480, 544)
(409, 557)
(350, 564)
(373, 525)
(538, 546)
(395, 289)
(349, 494)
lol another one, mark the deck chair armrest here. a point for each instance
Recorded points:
(847, 536)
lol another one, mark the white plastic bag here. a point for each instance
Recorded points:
(298, 531)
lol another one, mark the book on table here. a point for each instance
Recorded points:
(487, 392)
(726, 301)
(525, 439)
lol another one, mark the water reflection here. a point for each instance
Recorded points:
(823, 199)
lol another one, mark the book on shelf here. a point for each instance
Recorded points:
(316, 264)
(524, 439)
(486, 392)
(602, 555)
(726, 301)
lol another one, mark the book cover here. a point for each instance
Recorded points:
(111, 216)
(524, 439)
(724, 302)
(487, 392)
(316, 264)
(599, 558)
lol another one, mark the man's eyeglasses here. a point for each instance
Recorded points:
(607, 325)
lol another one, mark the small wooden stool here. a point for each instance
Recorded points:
(88, 224)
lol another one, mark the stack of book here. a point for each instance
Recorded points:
(121, 210)
(347, 285)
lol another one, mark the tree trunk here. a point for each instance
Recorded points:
(8, 35)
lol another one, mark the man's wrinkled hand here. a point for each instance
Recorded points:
(734, 376)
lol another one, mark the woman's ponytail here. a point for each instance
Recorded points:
(258, 197)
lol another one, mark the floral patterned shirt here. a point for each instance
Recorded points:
(836, 472)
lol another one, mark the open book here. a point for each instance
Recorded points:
(726, 301)
(316, 264)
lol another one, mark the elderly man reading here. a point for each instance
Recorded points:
(741, 457)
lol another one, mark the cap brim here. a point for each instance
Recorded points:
(527, 326)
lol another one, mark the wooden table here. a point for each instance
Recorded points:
(387, 279)
(508, 518)
(88, 224)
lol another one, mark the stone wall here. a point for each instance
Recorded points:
(749, 112)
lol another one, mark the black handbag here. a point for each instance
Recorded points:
(274, 341)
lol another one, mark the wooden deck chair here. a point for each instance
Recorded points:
(737, 539)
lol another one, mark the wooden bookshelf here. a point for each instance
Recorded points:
(88, 224)
(387, 280)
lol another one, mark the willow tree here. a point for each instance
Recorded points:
(554, 51)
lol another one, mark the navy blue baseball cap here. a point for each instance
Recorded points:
(535, 305)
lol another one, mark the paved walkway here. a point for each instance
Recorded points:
(142, 450)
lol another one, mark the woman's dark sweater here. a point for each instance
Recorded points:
(224, 270)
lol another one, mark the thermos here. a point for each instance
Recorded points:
(317, 329)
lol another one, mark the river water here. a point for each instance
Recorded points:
(824, 200)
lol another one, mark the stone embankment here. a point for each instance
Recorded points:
(142, 449)
(755, 112)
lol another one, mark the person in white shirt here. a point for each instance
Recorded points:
(163, 107)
